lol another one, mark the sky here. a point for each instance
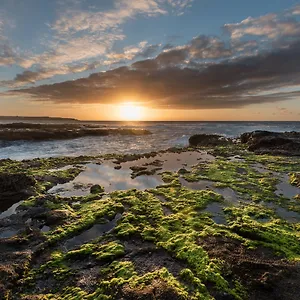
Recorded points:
(150, 59)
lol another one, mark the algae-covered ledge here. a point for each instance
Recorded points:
(214, 221)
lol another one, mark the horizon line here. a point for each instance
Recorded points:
(137, 121)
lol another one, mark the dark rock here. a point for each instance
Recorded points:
(15, 183)
(138, 168)
(57, 216)
(39, 132)
(208, 140)
(183, 171)
(14, 188)
(267, 142)
(96, 189)
(158, 289)
(223, 296)
(36, 211)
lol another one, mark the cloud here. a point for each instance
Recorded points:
(132, 52)
(231, 83)
(74, 21)
(206, 47)
(295, 10)
(199, 48)
(8, 56)
(28, 76)
(148, 51)
(84, 35)
(271, 26)
(179, 6)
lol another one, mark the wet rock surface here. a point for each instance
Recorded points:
(17, 183)
(96, 189)
(208, 140)
(14, 188)
(266, 275)
(266, 142)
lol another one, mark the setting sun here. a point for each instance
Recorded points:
(131, 112)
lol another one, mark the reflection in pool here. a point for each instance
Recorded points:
(284, 188)
(114, 179)
(216, 210)
(173, 161)
(8, 233)
(108, 177)
(94, 232)
(227, 193)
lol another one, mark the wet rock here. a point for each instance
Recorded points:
(7, 275)
(15, 187)
(138, 168)
(57, 216)
(223, 296)
(267, 142)
(208, 140)
(96, 189)
(183, 171)
(35, 212)
(155, 163)
(266, 275)
(16, 183)
(158, 289)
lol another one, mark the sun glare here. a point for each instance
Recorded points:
(130, 112)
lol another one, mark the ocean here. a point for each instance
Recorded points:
(165, 135)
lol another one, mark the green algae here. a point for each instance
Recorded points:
(295, 179)
(282, 237)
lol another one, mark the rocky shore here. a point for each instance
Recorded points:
(41, 132)
(214, 220)
(259, 142)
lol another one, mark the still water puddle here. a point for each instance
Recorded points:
(45, 229)
(106, 176)
(236, 158)
(65, 168)
(172, 161)
(263, 220)
(8, 233)
(228, 194)
(285, 189)
(161, 198)
(283, 213)
(197, 185)
(260, 168)
(167, 211)
(11, 210)
(288, 215)
(94, 232)
(116, 179)
(216, 210)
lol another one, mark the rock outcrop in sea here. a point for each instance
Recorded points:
(42, 132)
(267, 142)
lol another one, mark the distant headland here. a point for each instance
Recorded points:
(22, 118)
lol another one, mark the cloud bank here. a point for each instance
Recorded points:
(249, 65)
(163, 83)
